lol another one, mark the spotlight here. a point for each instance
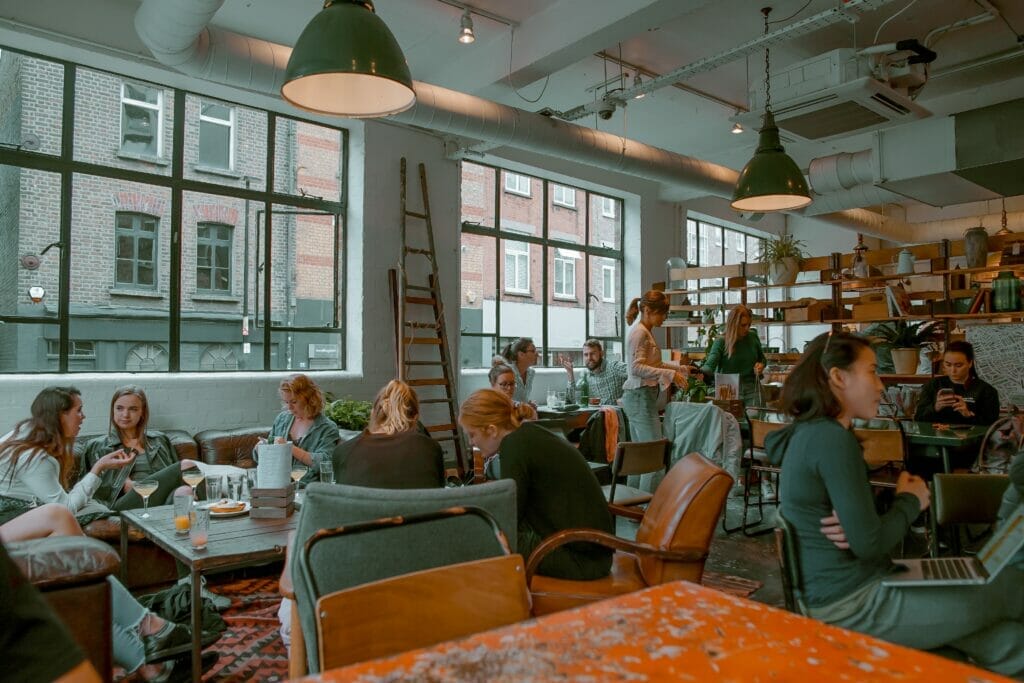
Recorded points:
(466, 32)
(36, 294)
(736, 129)
(637, 82)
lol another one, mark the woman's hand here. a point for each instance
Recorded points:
(566, 363)
(832, 528)
(909, 483)
(278, 440)
(187, 464)
(758, 368)
(112, 461)
(679, 379)
(960, 406)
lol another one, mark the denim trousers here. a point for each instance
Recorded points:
(640, 406)
(127, 615)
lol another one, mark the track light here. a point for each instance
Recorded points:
(637, 82)
(736, 129)
(466, 31)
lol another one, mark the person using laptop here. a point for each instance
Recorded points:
(824, 481)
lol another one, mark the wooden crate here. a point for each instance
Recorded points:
(871, 311)
(817, 310)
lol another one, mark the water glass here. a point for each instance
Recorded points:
(235, 486)
(552, 396)
(214, 487)
(182, 510)
(327, 472)
(250, 475)
(199, 532)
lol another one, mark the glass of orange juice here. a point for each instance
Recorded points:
(199, 531)
(182, 508)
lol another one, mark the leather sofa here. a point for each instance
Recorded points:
(149, 566)
(71, 573)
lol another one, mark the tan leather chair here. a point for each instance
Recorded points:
(230, 446)
(671, 544)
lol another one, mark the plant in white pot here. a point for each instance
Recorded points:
(783, 255)
(906, 340)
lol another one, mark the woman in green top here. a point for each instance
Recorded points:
(303, 422)
(845, 546)
(555, 487)
(738, 352)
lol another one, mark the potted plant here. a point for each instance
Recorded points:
(783, 255)
(906, 340)
(350, 415)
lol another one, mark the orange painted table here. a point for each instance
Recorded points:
(677, 631)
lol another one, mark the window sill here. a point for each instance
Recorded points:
(137, 293)
(565, 297)
(517, 193)
(557, 205)
(223, 172)
(156, 161)
(525, 295)
(217, 298)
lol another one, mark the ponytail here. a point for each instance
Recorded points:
(395, 409)
(633, 311)
(653, 300)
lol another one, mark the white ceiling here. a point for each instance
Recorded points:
(553, 58)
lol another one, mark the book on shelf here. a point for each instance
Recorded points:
(899, 301)
(977, 302)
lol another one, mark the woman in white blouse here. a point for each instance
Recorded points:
(647, 374)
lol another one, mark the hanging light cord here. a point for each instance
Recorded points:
(767, 78)
(1004, 215)
(511, 43)
(779, 21)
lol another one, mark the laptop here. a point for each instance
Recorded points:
(964, 571)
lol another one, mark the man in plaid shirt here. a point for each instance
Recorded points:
(604, 377)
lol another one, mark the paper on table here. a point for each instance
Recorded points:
(273, 465)
(218, 470)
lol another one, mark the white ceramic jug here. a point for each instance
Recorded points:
(905, 263)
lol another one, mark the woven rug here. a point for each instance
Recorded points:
(727, 583)
(251, 648)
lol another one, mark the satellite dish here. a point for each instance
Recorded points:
(30, 142)
(30, 262)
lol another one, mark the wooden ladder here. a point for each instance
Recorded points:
(420, 333)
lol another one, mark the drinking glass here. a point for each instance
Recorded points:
(182, 508)
(250, 477)
(214, 487)
(552, 397)
(298, 472)
(199, 532)
(327, 472)
(145, 489)
(235, 486)
(193, 477)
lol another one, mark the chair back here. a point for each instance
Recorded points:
(882, 446)
(555, 425)
(759, 429)
(389, 616)
(967, 498)
(349, 560)
(789, 563)
(734, 407)
(682, 515)
(640, 457)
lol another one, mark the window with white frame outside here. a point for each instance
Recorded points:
(217, 136)
(563, 196)
(608, 286)
(141, 120)
(517, 267)
(565, 273)
(609, 207)
(517, 184)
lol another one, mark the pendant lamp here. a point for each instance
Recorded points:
(347, 63)
(771, 180)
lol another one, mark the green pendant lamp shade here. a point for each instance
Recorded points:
(347, 63)
(771, 180)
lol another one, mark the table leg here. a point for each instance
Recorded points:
(945, 460)
(123, 525)
(197, 625)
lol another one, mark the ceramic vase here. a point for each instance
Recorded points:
(905, 361)
(976, 247)
(784, 271)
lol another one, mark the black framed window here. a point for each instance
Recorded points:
(213, 257)
(135, 258)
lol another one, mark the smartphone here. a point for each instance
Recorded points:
(945, 393)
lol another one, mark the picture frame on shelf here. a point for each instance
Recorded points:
(899, 301)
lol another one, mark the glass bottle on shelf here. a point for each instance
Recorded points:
(1006, 292)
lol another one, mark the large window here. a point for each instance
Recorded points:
(229, 257)
(529, 268)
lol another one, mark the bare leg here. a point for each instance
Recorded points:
(47, 520)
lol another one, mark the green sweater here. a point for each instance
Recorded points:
(556, 490)
(823, 469)
(746, 352)
(319, 441)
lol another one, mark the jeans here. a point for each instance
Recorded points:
(640, 406)
(127, 615)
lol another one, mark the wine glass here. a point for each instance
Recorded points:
(298, 472)
(145, 489)
(193, 477)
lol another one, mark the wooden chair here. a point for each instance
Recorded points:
(634, 458)
(755, 467)
(884, 452)
(789, 564)
(959, 499)
(418, 609)
(671, 544)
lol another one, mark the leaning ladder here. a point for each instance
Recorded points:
(420, 333)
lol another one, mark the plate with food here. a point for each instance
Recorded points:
(228, 508)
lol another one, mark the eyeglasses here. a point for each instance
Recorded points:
(507, 385)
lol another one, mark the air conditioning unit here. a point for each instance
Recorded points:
(831, 95)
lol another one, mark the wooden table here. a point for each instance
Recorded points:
(925, 434)
(574, 419)
(673, 632)
(234, 542)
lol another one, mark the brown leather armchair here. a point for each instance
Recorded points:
(71, 573)
(671, 544)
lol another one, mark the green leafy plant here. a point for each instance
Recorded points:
(784, 246)
(349, 413)
(905, 335)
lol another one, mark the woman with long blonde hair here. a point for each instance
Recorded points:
(738, 352)
(555, 487)
(393, 452)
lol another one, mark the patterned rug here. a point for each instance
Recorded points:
(251, 648)
(727, 583)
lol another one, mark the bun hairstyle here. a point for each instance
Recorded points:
(967, 349)
(510, 352)
(653, 300)
(42, 433)
(301, 386)
(807, 393)
(396, 409)
(486, 407)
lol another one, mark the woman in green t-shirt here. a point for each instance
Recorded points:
(738, 352)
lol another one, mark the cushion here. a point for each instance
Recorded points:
(60, 561)
(230, 446)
